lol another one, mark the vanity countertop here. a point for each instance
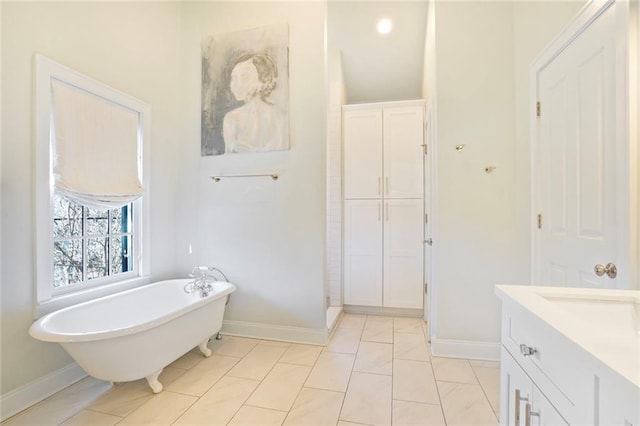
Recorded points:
(605, 323)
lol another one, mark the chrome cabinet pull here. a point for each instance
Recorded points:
(379, 211)
(527, 350)
(386, 184)
(530, 414)
(516, 411)
(386, 215)
(379, 185)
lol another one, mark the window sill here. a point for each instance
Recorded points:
(69, 299)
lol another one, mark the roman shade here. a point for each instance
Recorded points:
(95, 148)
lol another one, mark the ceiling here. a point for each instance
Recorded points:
(379, 67)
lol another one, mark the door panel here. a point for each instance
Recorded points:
(579, 153)
(363, 252)
(403, 152)
(362, 154)
(513, 379)
(543, 412)
(403, 253)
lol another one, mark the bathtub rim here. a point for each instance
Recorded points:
(39, 330)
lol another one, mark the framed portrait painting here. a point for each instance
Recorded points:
(245, 91)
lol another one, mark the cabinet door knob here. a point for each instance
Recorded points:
(527, 350)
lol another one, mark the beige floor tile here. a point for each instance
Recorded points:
(62, 405)
(453, 370)
(279, 389)
(124, 398)
(275, 343)
(163, 409)
(352, 321)
(407, 325)
(200, 378)
(414, 381)
(415, 413)
(301, 354)
(376, 358)
(236, 346)
(343, 423)
(378, 329)
(410, 346)
(92, 418)
(489, 378)
(188, 360)
(220, 403)
(248, 416)
(344, 340)
(368, 399)
(465, 404)
(315, 407)
(483, 363)
(331, 372)
(257, 363)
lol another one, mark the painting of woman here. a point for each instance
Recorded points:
(245, 92)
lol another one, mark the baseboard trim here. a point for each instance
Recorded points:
(379, 310)
(276, 332)
(19, 399)
(467, 349)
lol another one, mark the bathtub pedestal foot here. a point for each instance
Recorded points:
(156, 386)
(218, 336)
(204, 349)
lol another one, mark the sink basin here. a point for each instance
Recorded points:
(619, 318)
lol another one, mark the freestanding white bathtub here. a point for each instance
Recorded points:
(136, 333)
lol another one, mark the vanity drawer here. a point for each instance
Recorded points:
(553, 364)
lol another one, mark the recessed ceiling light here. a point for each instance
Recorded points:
(384, 26)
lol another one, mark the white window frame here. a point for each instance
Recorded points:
(47, 298)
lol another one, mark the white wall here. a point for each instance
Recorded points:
(267, 236)
(337, 98)
(475, 210)
(478, 54)
(130, 46)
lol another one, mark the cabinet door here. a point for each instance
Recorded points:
(516, 390)
(403, 152)
(362, 130)
(363, 252)
(543, 413)
(403, 253)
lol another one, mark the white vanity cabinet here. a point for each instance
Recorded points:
(524, 403)
(384, 204)
(565, 358)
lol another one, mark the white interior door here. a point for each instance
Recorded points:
(403, 152)
(580, 153)
(362, 131)
(403, 253)
(363, 252)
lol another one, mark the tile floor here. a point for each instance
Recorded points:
(374, 371)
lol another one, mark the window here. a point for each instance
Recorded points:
(89, 245)
(86, 251)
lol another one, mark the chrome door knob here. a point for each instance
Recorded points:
(610, 270)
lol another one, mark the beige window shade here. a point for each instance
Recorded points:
(95, 149)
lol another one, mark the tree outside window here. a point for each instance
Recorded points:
(90, 243)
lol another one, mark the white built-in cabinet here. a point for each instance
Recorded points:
(384, 204)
